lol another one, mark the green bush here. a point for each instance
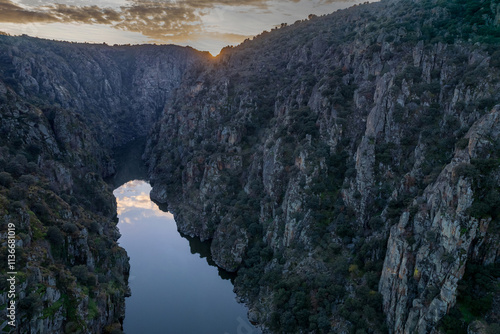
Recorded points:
(462, 143)
(475, 297)
(6, 179)
(40, 209)
(479, 209)
(17, 193)
(55, 236)
(70, 228)
(495, 59)
(81, 273)
(466, 170)
(28, 180)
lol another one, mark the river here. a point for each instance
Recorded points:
(176, 288)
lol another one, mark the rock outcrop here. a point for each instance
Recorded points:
(72, 275)
(427, 253)
(119, 90)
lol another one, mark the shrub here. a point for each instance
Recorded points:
(81, 273)
(34, 149)
(376, 223)
(94, 227)
(495, 59)
(466, 170)
(479, 209)
(462, 143)
(40, 209)
(6, 179)
(17, 166)
(17, 193)
(28, 180)
(55, 236)
(70, 228)
(31, 304)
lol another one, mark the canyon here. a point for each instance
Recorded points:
(345, 167)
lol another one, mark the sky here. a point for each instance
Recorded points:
(203, 24)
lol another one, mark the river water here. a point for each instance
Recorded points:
(176, 288)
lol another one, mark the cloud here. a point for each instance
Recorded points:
(152, 19)
(160, 21)
(87, 14)
(10, 12)
(209, 3)
(334, 1)
(205, 24)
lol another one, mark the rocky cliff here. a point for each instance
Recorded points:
(71, 274)
(119, 90)
(428, 251)
(298, 152)
(346, 167)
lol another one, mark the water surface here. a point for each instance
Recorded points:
(175, 287)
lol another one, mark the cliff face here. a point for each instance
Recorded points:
(428, 252)
(119, 90)
(345, 166)
(72, 275)
(297, 153)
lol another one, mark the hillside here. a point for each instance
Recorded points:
(339, 165)
(71, 273)
(119, 90)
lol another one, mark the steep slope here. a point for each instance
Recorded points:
(455, 222)
(297, 151)
(71, 274)
(119, 90)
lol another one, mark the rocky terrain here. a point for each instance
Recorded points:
(346, 167)
(71, 273)
(326, 162)
(119, 90)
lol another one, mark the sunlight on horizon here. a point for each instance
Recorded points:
(201, 24)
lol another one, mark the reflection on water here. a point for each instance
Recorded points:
(202, 248)
(173, 289)
(134, 195)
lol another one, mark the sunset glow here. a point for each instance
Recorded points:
(202, 24)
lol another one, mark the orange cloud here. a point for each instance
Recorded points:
(162, 21)
(158, 20)
(10, 12)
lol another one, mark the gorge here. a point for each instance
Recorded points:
(346, 168)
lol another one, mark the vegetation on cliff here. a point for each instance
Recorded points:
(72, 275)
